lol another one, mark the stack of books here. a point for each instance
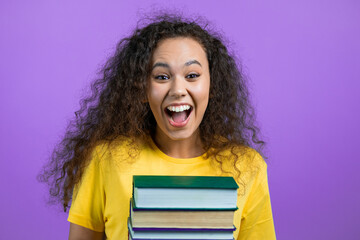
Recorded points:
(182, 207)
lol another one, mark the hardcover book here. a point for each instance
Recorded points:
(178, 234)
(185, 192)
(185, 218)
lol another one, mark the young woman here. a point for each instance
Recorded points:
(171, 101)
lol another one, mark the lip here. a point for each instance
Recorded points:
(178, 104)
(176, 124)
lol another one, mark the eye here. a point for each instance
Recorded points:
(193, 75)
(162, 77)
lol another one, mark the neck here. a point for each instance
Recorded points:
(184, 148)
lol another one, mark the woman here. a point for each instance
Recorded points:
(171, 101)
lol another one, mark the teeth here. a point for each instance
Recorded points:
(178, 108)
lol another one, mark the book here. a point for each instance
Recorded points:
(185, 192)
(178, 234)
(143, 219)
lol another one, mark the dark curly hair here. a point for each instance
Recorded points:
(116, 106)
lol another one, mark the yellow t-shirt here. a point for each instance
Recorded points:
(101, 200)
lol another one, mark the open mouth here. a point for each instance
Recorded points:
(178, 114)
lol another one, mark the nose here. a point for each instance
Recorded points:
(178, 87)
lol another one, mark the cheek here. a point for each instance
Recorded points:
(201, 94)
(154, 95)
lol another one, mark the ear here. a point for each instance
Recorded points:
(144, 99)
(211, 94)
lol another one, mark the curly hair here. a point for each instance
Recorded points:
(116, 106)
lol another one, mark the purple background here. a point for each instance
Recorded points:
(302, 57)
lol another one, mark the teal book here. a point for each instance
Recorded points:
(184, 192)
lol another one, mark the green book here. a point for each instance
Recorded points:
(185, 192)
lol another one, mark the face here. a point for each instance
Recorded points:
(178, 89)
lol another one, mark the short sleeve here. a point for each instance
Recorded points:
(87, 207)
(257, 220)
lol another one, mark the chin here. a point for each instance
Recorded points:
(179, 137)
(181, 134)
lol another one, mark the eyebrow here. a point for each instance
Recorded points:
(165, 65)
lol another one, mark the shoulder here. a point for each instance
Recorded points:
(121, 146)
(245, 164)
(122, 151)
(254, 161)
(243, 157)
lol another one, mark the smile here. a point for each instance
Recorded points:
(178, 115)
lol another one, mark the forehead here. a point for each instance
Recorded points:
(179, 49)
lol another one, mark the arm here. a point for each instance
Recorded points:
(78, 232)
(257, 220)
(86, 214)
